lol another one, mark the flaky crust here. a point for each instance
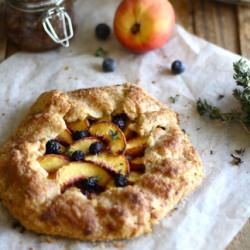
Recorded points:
(173, 168)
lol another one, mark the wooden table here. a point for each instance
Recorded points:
(225, 25)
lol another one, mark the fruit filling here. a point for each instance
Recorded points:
(96, 155)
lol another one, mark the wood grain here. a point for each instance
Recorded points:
(242, 240)
(184, 13)
(226, 25)
(2, 33)
(244, 29)
(212, 21)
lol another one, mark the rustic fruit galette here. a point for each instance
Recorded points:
(97, 164)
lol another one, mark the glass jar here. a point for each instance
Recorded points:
(36, 25)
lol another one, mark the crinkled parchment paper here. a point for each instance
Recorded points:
(214, 213)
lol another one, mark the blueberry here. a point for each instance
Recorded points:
(120, 121)
(121, 180)
(177, 67)
(102, 31)
(109, 65)
(80, 134)
(89, 184)
(53, 147)
(95, 148)
(77, 156)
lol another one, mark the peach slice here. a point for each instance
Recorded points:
(114, 163)
(137, 164)
(83, 144)
(78, 125)
(111, 184)
(65, 137)
(106, 118)
(134, 177)
(110, 133)
(52, 162)
(136, 146)
(75, 171)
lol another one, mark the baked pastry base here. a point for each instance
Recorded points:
(173, 168)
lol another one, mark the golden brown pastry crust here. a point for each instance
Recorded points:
(173, 168)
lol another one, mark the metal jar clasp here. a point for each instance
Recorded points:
(62, 16)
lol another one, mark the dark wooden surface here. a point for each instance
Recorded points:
(225, 25)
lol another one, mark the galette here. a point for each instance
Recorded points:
(97, 164)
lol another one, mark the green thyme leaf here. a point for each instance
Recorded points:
(242, 73)
(113, 134)
(214, 113)
(100, 52)
(174, 99)
(206, 109)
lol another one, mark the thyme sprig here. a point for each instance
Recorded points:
(241, 93)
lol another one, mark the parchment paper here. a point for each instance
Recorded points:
(211, 216)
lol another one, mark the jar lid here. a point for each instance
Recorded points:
(33, 5)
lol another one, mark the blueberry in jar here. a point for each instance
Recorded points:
(77, 156)
(80, 134)
(102, 31)
(95, 148)
(109, 65)
(121, 180)
(120, 121)
(53, 147)
(177, 67)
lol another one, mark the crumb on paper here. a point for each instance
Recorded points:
(211, 152)
(46, 239)
(49, 239)
(197, 129)
(66, 68)
(119, 244)
(172, 211)
(73, 78)
(137, 81)
(98, 246)
(3, 114)
(220, 96)
(153, 82)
